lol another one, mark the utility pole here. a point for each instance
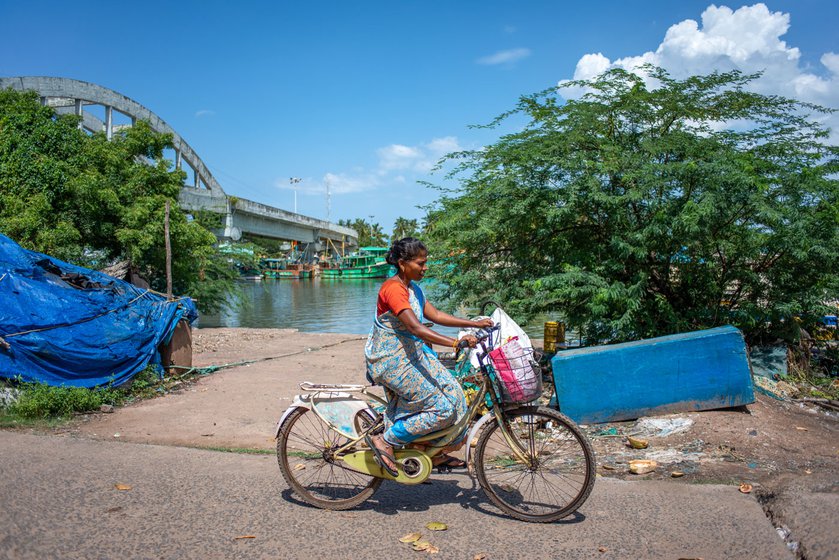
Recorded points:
(328, 201)
(294, 181)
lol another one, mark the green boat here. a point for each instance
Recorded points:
(281, 268)
(368, 262)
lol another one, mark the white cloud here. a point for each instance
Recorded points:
(442, 146)
(204, 113)
(397, 156)
(746, 39)
(420, 159)
(342, 183)
(339, 183)
(397, 164)
(504, 57)
(831, 62)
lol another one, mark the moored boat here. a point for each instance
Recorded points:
(368, 262)
(281, 268)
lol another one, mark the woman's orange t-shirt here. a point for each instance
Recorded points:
(393, 296)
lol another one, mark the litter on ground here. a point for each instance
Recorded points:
(662, 427)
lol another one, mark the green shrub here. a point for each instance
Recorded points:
(145, 385)
(36, 400)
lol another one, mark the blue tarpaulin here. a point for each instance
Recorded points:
(62, 324)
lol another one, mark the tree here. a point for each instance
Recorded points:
(89, 201)
(403, 227)
(638, 211)
(369, 234)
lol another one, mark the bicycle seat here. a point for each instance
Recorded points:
(309, 386)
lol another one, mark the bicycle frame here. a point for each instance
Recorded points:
(532, 462)
(417, 464)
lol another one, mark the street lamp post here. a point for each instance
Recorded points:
(294, 181)
(328, 201)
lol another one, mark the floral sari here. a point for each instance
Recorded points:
(422, 394)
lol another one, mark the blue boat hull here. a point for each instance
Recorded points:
(686, 372)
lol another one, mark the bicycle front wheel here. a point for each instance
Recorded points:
(303, 452)
(553, 476)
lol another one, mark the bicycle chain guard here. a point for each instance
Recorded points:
(414, 466)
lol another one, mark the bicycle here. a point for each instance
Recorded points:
(531, 461)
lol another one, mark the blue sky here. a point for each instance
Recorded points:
(367, 95)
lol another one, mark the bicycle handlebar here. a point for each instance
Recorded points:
(488, 331)
(463, 344)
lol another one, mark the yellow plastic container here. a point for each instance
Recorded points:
(551, 336)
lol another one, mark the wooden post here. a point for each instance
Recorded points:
(168, 255)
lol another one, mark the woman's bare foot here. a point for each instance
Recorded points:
(448, 461)
(385, 451)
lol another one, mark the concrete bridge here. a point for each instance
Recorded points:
(241, 216)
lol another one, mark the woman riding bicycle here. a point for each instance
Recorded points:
(423, 396)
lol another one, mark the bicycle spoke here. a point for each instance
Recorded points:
(308, 442)
(554, 480)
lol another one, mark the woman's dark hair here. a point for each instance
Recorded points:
(405, 249)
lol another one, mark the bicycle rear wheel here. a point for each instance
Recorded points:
(557, 476)
(303, 453)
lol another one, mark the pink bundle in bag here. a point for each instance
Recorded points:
(519, 381)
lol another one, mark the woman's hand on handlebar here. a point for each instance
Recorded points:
(472, 340)
(483, 323)
(469, 340)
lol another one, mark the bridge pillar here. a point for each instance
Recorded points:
(230, 230)
(79, 112)
(109, 121)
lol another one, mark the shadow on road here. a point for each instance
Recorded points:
(391, 498)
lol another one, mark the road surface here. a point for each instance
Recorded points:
(59, 500)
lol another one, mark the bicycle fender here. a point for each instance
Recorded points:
(296, 403)
(337, 409)
(472, 434)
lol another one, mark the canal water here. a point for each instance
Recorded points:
(315, 305)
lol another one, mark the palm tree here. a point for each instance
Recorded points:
(368, 233)
(377, 236)
(404, 227)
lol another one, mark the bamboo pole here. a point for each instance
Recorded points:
(168, 255)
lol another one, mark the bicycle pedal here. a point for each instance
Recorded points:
(378, 428)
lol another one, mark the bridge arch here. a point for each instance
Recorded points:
(67, 95)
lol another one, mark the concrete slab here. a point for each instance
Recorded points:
(806, 513)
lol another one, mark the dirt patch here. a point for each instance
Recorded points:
(787, 452)
(236, 406)
(756, 444)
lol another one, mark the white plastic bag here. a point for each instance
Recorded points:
(509, 329)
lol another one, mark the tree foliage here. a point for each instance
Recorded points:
(369, 233)
(403, 227)
(638, 211)
(88, 200)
